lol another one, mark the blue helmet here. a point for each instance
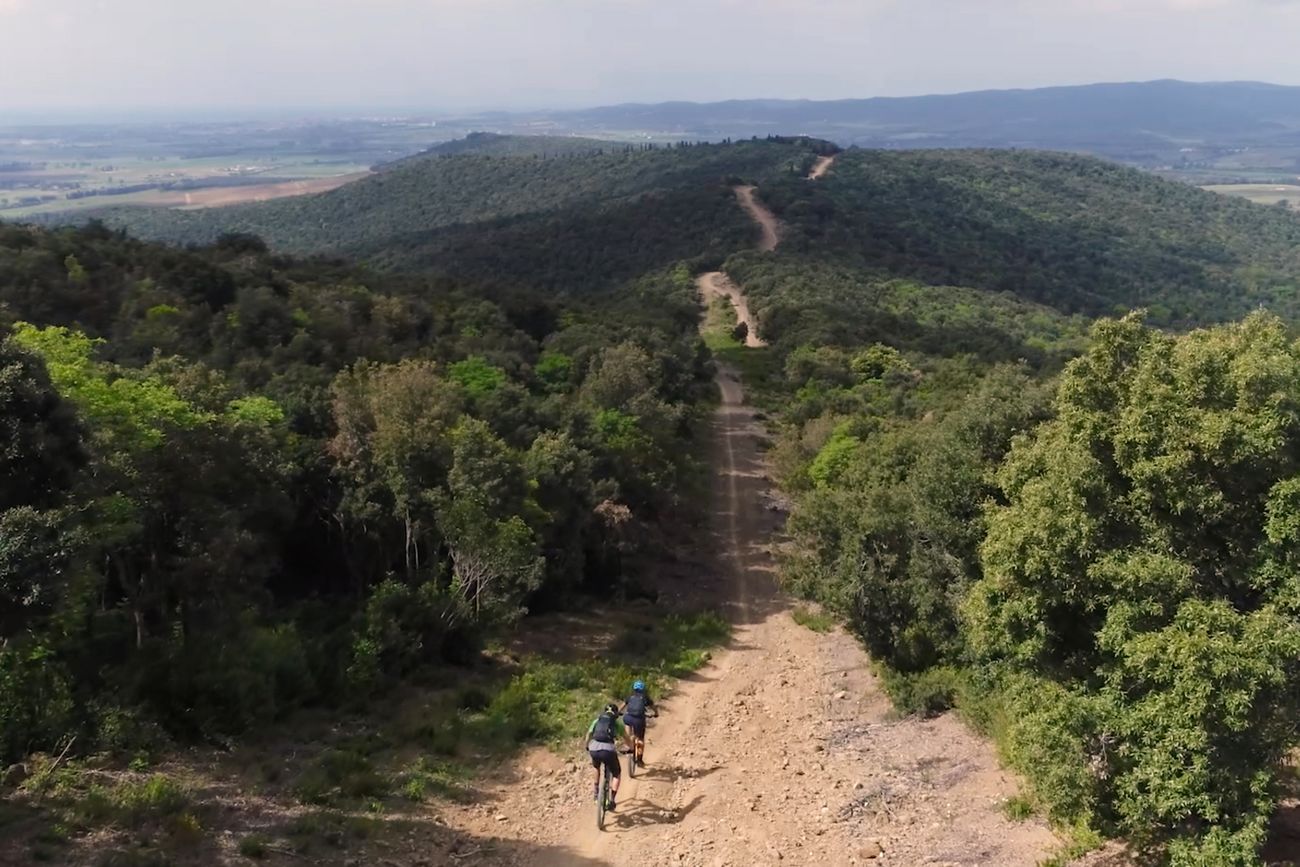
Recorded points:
(638, 686)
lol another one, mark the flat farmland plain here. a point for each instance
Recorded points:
(1263, 194)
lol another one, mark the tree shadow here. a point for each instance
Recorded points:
(338, 840)
(1283, 847)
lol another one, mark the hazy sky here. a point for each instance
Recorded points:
(457, 54)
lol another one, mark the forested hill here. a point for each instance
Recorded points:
(493, 144)
(391, 214)
(234, 481)
(1075, 233)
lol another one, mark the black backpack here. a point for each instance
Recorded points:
(636, 704)
(604, 730)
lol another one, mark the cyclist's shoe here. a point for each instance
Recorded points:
(595, 792)
(640, 763)
(612, 805)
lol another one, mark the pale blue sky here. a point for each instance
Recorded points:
(459, 54)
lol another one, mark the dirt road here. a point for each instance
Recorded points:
(715, 284)
(821, 167)
(765, 219)
(782, 750)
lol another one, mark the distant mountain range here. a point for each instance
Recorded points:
(1146, 122)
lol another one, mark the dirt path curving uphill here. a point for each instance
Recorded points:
(821, 167)
(766, 219)
(783, 750)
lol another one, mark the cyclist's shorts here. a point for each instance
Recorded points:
(636, 724)
(606, 759)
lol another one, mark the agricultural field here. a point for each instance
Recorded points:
(1263, 194)
(53, 169)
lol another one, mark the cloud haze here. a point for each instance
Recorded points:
(455, 54)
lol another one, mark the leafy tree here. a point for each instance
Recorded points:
(1145, 556)
(393, 449)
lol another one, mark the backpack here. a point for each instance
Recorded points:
(604, 730)
(636, 704)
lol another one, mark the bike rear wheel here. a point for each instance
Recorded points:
(631, 761)
(602, 798)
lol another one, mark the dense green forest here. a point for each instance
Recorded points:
(404, 206)
(1074, 233)
(236, 482)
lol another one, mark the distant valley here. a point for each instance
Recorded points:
(1240, 138)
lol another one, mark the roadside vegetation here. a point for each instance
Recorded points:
(238, 487)
(1094, 569)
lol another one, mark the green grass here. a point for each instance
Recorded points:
(545, 701)
(759, 366)
(553, 702)
(340, 775)
(1018, 808)
(129, 803)
(817, 621)
(426, 779)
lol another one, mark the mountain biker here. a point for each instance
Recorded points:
(603, 735)
(634, 711)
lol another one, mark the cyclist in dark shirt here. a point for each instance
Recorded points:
(603, 736)
(636, 707)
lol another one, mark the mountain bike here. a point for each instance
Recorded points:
(637, 755)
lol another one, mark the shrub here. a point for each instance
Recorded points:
(340, 774)
(402, 627)
(254, 846)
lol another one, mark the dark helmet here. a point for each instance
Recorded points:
(611, 708)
